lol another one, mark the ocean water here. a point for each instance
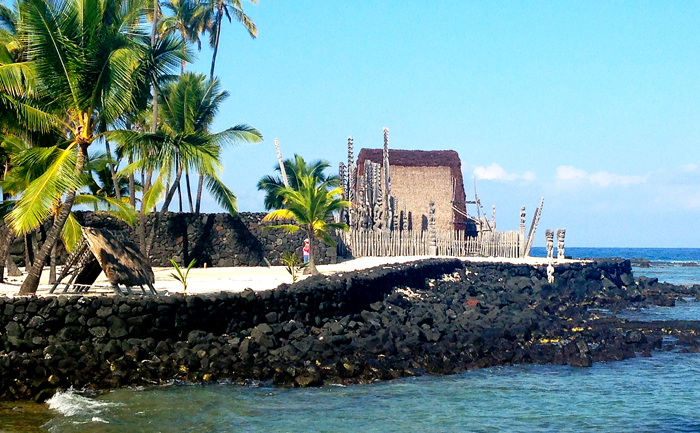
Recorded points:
(636, 395)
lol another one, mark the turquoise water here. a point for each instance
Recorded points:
(636, 395)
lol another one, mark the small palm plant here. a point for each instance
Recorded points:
(293, 265)
(179, 276)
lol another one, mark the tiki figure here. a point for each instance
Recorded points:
(549, 238)
(432, 233)
(560, 243)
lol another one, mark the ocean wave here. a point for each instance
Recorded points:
(71, 403)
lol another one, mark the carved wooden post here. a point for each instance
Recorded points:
(279, 158)
(522, 231)
(352, 184)
(377, 197)
(549, 239)
(387, 177)
(493, 218)
(533, 228)
(560, 243)
(394, 209)
(344, 188)
(432, 233)
(405, 216)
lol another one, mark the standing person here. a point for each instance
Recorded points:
(306, 250)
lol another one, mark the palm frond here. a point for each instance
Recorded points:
(154, 194)
(71, 233)
(223, 196)
(36, 202)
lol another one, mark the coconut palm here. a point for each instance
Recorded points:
(216, 11)
(232, 10)
(310, 206)
(188, 107)
(187, 19)
(293, 167)
(85, 66)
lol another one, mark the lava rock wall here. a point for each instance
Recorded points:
(436, 316)
(215, 239)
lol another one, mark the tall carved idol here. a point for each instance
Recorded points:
(405, 223)
(345, 189)
(394, 208)
(378, 211)
(560, 243)
(387, 178)
(432, 232)
(549, 239)
(351, 184)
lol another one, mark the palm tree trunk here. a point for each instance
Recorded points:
(219, 21)
(28, 250)
(199, 192)
(179, 185)
(154, 38)
(132, 185)
(7, 236)
(52, 261)
(113, 172)
(179, 195)
(141, 228)
(189, 190)
(31, 283)
(171, 192)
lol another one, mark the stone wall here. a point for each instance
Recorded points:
(435, 316)
(215, 239)
(63, 341)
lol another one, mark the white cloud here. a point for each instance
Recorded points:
(496, 172)
(689, 167)
(601, 178)
(569, 172)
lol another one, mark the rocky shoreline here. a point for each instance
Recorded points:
(433, 316)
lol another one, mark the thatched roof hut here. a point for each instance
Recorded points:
(119, 257)
(419, 176)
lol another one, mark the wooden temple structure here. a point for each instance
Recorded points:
(413, 202)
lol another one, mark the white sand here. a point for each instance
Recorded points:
(236, 279)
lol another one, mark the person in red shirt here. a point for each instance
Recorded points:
(305, 250)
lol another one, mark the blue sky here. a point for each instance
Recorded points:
(592, 105)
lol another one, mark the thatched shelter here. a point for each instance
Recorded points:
(111, 252)
(418, 177)
(121, 260)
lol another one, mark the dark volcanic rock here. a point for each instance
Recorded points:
(435, 316)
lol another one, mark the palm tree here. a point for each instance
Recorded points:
(188, 107)
(187, 19)
(216, 11)
(231, 9)
(293, 167)
(85, 66)
(310, 206)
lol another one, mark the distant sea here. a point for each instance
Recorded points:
(657, 394)
(672, 265)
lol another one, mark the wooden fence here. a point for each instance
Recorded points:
(381, 243)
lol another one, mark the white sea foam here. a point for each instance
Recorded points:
(71, 403)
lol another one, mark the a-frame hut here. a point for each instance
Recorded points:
(111, 252)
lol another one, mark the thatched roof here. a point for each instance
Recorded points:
(120, 259)
(423, 158)
(412, 158)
